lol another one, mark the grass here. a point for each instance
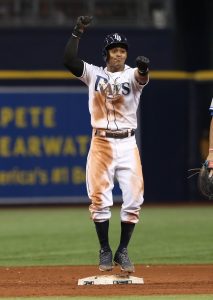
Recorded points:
(66, 236)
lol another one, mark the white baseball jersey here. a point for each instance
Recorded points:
(113, 103)
(113, 97)
(211, 107)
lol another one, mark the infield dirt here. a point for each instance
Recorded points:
(63, 281)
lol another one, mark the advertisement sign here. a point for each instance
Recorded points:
(44, 141)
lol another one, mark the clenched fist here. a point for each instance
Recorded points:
(82, 23)
(142, 63)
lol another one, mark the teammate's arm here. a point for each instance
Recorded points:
(71, 60)
(210, 155)
(142, 71)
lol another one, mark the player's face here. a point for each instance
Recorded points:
(116, 59)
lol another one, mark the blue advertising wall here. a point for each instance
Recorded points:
(45, 136)
(44, 141)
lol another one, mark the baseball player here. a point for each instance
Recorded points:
(210, 155)
(205, 178)
(114, 94)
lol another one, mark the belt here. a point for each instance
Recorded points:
(116, 134)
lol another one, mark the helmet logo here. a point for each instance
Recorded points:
(117, 37)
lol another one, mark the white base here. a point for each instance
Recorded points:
(110, 279)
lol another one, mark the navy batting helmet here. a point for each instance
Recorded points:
(114, 40)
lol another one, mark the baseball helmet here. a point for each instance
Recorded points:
(114, 40)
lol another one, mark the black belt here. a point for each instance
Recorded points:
(116, 134)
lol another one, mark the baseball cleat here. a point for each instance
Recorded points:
(121, 259)
(105, 263)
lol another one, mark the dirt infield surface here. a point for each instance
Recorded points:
(62, 281)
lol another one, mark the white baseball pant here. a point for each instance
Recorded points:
(111, 158)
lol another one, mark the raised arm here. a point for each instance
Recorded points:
(142, 71)
(71, 60)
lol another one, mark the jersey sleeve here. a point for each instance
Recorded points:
(211, 108)
(88, 73)
(136, 84)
